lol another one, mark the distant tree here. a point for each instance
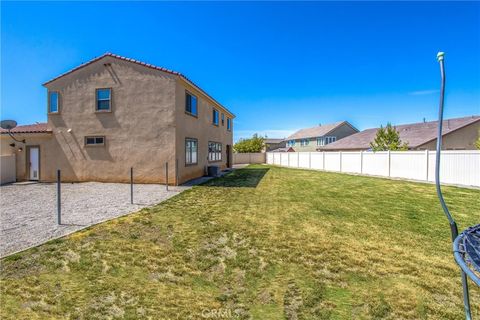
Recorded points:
(388, 138)
(254, 144)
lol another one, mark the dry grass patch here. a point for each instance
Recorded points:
(262, 243)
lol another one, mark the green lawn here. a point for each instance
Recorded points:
(262, 243)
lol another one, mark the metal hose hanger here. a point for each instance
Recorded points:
(466, 246)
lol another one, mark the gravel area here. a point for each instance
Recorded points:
(28, 212)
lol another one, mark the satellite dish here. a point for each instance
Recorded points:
(8, 124)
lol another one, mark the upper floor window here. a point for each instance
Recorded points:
(95, 141)
(190, 104)
(223, 119)
(291, 143)
(104, 99)
(304, 142)
(215, 117)
(191, 151)
(53, 101)
(320, 141)
(214, 151)
(229, 124)
(330, 140)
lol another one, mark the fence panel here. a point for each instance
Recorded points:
(304, 160)
(409, 164)
(284, 159)
(292, 159)
(456, 167)
(243, 158)
(375, 163)
(460, 167)
(316, 160)
(269, 158)
(332, 161)
(352, 162)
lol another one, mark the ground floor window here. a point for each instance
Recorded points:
(191, 151)
(214, 151)
(95, 141)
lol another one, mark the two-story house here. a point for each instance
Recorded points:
(313, 139)
(113, 113)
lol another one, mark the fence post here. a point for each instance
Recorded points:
(166, 175)
(426, 166)
(389, 162)
(361, 162)
(309, 160)
(298, 160)
(323, 155)
(131, 185)
(176, 172)
(59, 198)
(288, 159)
(340, 161)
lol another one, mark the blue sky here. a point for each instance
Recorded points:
(278, 66)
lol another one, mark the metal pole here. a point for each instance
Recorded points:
(59, 198)
(453, 224)
(176, 172)
(131, 185)
(166, 175)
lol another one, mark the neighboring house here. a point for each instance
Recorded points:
(458, 134)
(310, 139)
(113, 113)
(286, 149)
(272, 144)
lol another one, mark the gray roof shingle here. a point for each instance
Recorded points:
(317, 131)
(415, 134)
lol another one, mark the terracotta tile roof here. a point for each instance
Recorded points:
(147, 65)
(317, 131)
(415, 134)
(29, 128)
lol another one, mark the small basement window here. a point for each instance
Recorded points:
(95, 141)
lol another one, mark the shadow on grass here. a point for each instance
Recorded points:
(240, 178)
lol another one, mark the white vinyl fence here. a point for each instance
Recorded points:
(457, 167)
(244, 158)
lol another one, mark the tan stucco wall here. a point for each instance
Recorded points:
(461, 139)
(340, 132)
(44, 141)
(201, 128)
(139, 132)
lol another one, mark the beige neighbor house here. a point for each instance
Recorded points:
(113, 113)
(458, 134)
(273, 144)
(310, 139)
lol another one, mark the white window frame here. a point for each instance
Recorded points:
(98, 100)
(330, 139)
(95, 142)
(191, 151)
(214, 151)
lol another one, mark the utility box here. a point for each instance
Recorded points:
(213, 171)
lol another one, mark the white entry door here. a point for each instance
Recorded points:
(34, 163)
